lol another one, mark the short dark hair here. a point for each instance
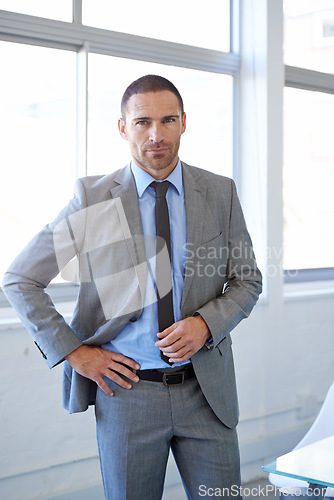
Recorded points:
(149, 83)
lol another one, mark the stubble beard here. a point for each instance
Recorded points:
(166, 161)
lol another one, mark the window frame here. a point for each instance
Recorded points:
(316, 81)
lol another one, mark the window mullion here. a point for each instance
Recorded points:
(235, 26)
(82, 111)
(307, 79)
(77, 11)
(48, 32)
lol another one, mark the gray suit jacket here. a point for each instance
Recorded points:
(101, 226)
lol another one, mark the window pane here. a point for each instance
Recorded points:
(207, 142)
(308, 179)
(202, 24)
(309, 34)
(37, 130)
(51, 9)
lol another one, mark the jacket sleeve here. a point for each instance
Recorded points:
(243, 283)
(26, 279)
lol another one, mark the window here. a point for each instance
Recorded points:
(308, 34)
(52, 9)
(308, 171)
(188, 22)
(328, 29)
(37, 129)
(308, 175)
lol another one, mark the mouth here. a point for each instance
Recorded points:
(157, 150)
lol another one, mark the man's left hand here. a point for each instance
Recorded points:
(183, 339)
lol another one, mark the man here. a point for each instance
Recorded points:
(153, 336)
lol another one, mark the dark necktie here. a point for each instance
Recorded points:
(163, 262)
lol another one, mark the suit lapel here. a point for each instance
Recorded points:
(195, 202)
(128, 210)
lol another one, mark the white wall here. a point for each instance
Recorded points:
(43, 449)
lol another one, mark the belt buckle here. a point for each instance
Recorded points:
(166, 375)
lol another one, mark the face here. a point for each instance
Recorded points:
(153, 127)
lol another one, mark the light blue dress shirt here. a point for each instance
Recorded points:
(137, 339)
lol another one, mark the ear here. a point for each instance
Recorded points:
(184, 123)
(122, 129)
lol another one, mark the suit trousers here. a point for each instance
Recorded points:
(136, 428)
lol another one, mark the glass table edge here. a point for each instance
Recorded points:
(271, 467)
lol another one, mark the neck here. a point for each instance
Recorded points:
(158, 174)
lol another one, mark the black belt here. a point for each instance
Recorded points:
(167, 378)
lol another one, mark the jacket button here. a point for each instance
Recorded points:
(133, 320)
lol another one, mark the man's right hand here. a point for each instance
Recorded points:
(95, 363)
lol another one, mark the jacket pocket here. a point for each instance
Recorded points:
(224, 344)
(211, 239)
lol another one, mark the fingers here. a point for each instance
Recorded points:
(175, 340)
(178, 355)
(183, 359)
(169, 339)
(177, 352)
(178, 358)
(117, 365)
(105, 388)
(168, 330)
(96, 364)
(120, 358)
(112, 374)
(183, 339)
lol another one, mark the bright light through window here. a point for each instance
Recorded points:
(308, 179)
(202, 24)
(309, 34)
(60, 10)
(37, 130)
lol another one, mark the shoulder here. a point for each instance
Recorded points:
(96, 188)
(103, 181)
(208, 179)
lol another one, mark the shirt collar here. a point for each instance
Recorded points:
(144, 179)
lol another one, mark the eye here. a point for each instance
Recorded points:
(170, 119)
(142, 122)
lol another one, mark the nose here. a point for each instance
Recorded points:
(156, 134)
